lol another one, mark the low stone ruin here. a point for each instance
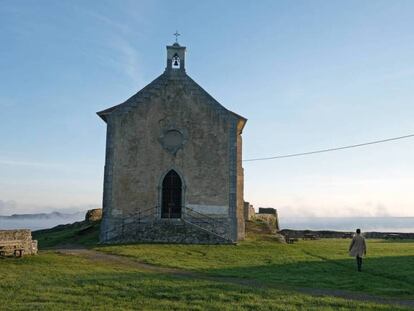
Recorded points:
(265, 214)
(93, 215)
(13, 242)
(268, 214)
(248, 211)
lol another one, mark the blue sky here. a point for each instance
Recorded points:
(307, 74)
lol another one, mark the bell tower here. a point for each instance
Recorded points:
(173, 164)
(175, 58)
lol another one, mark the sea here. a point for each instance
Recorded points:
(36, 222)
(379, 224)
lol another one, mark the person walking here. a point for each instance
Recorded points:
(358, 248)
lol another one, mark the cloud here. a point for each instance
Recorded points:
(380, 210)
(117, 26)
(309, 208)
(128, 58)
(122, 54)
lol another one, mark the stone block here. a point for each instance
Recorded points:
(22, 237)
(267, 210)
(93, 215)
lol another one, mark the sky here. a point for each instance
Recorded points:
(307, 75)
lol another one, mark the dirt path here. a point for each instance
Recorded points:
(129, 262)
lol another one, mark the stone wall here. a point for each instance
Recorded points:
(140, 161)
(241, 230)
(270, 214)
(166, 231)
(249, 211)
(267, 210)
(24, 236)
(346, 234)
(268, 218)
(207, 161)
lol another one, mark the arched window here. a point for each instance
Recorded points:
(171, 195)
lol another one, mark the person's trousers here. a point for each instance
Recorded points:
(359, 262)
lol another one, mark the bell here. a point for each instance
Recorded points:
(176, 63)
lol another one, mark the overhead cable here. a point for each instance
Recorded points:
(328, 150)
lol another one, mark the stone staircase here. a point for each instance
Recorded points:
(193, 228)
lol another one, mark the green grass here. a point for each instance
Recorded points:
(388, 269)
(51, 281)
(60, 282)
(83, 233)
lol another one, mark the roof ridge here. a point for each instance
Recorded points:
(134, 98)
(156, 85)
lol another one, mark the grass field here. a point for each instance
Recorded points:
(78, 233)
(57, 282)
(387, 271)
(271, 276)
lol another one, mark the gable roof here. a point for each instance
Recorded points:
(161, 82)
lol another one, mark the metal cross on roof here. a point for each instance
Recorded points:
(176, 34)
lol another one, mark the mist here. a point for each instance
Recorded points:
(38, 221)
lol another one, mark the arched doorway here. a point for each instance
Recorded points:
(171, 195)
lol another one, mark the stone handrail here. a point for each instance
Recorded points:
(204, 221)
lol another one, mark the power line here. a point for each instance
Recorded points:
(329, 150)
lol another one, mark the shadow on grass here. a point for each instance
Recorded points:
(118, 290)
(385, 276)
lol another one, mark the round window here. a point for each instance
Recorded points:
(173, 139)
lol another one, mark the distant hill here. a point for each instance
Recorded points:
(41, 216)
(39, 220)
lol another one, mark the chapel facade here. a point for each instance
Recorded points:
(173, 166)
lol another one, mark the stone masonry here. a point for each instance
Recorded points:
(23, 237)
(249, 211)
(93, 215)
(269, 215)
(173, 130)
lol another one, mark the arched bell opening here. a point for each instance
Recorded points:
(171, 195)
(176, 61)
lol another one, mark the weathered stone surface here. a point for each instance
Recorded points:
(249, 211)
(271, 219)
(173, 124)
(267, 210)
(269, 214)
(23, 236)
(93, 215)
(165, 231)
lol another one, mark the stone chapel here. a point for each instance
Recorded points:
(173, 166)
